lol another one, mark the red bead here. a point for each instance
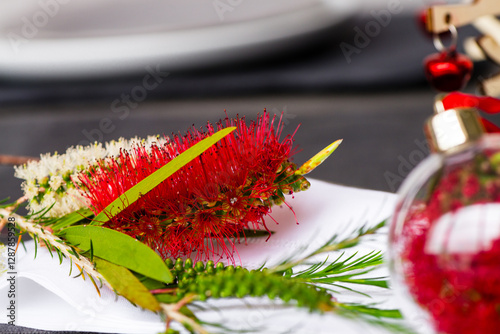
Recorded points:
(448, 71)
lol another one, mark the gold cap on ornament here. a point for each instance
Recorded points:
(452, 129)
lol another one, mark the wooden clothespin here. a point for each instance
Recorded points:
(440, 17)
(489, 44)
(481, 14)
(491, 86)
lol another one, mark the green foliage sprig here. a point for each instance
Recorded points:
(139, 274)
(298, 281)
(311, 287)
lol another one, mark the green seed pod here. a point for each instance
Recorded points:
(287, 296)
(169, 263)
(190, 273)
(178, 268)
(210, 270)
(229, 288)
(272, 294)
(215, 292)
(44, 182)
(199, 266)
(183, 284)
(243, 290)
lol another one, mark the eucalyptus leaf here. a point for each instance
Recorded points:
(126, 284)
(118, 248)
(153, 180)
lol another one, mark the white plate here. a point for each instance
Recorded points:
(65, 39)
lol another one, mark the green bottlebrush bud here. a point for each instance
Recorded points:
(199, 267)
(183, 284)
(190, 273)
(241, 283)
(243, 289)
(169, 263)
(272, 293)
(188, 263)
(171, 331)
(210, 270)
(178, 268)
(304, 184)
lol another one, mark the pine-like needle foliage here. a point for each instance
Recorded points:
(300, 282)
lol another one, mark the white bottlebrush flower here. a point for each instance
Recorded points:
(56, 181)
(49, 181)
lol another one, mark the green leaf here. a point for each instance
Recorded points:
(151, 284)
(4, 203)
(374, 282)
(166, 298)
(118, 248)
(71, 219)
(318, 159)
(376, 312)
(153, 180)
(126, 284)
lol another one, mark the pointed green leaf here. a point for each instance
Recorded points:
(71, 219)
(153, 180)
(126, 284)
(118, 248)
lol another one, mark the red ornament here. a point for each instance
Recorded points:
(445, 233)
(448, 71)
(453, 272)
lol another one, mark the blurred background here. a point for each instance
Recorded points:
(75, 72)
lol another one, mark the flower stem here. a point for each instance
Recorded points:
(34, 229)
(172, 312)
(15, 159)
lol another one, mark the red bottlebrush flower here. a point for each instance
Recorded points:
(208, 202)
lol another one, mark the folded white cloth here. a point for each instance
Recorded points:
(47, 298)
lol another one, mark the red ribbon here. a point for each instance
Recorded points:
(486, 104)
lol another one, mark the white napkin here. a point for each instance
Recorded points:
(46, 298)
